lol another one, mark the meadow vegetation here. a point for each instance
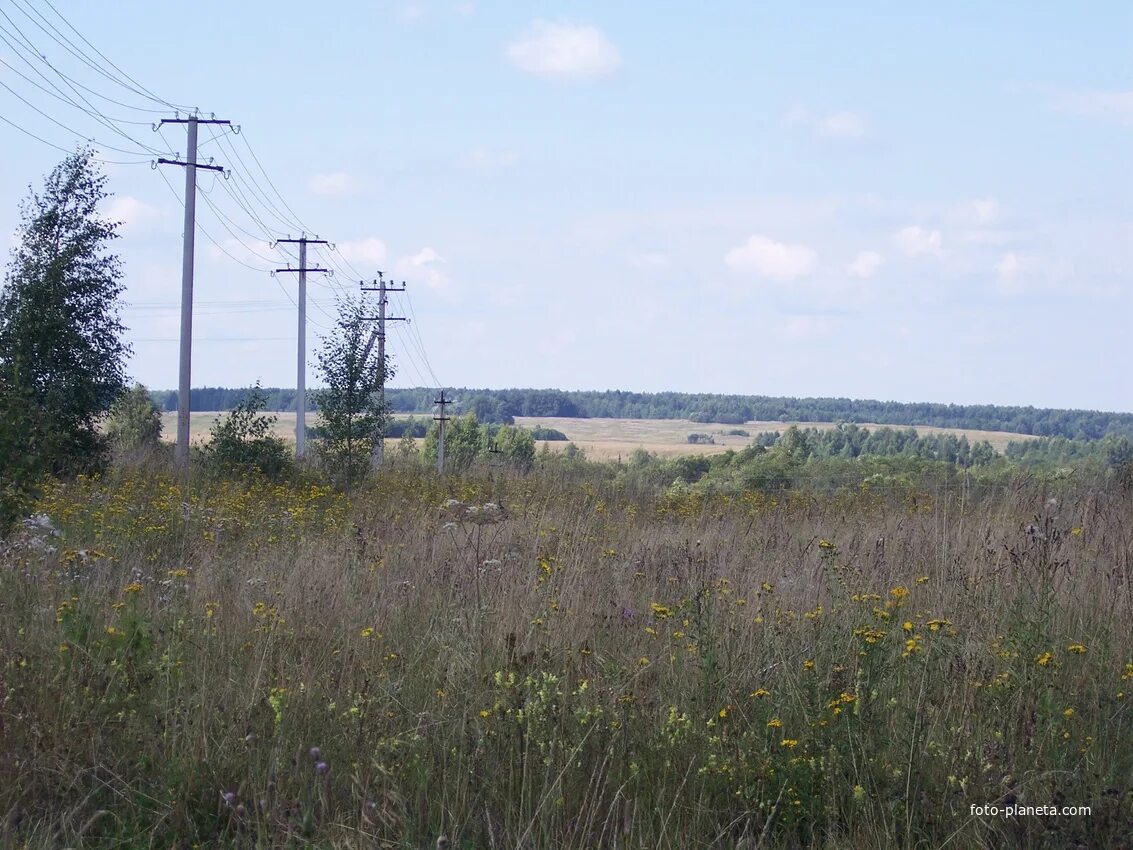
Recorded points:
(582, 656)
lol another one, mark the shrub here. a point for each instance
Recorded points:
(540, 432)
(134, 422)
(242, 441)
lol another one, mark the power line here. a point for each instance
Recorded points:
(90, 109)
(137, 88)
(32, 135)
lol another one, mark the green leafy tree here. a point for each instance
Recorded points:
(465, 441)
(134, 423)
(352, 416)
(61, 342)
(242, 442)
(517, 445)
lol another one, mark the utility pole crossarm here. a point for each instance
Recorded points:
(164, 161)
(193, 119)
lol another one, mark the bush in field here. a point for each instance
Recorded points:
(134, 422)
(540, 432)
(242, 441)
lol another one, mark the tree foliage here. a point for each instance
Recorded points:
(352, 415)
(468, 441)
(61, 345)
(134, 423)
(242, 442)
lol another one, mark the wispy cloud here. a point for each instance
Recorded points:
(132, 212)
(839, 125)
(798, 328)
(370, 251)
(917, 241)
(564, 51)
(768, 258)
(1113, 105)
(865, 264)
(647, 260)
(486, 160)
(333, 185)
(426, 266)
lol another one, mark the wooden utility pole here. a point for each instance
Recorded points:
(382, 288)
(184, 378)
(441, 420)
(301, 356)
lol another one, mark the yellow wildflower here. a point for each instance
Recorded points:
(774, 723)
(1076, 648)
(789, 743)
(1045, 660)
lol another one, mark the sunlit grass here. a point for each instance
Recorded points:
(252, 664)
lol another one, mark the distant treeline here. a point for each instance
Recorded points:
(505, 405)
(502, 406)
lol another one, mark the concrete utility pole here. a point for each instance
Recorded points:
(301, 348)
(441, 420)
(381, 287)
(184, 381)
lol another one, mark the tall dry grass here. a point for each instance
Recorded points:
(254, 665)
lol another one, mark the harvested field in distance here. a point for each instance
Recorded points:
(606, 439)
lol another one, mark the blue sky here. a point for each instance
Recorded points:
(881, 200)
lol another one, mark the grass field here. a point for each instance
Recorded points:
(593, 664)
(608, 439)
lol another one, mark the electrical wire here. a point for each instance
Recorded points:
(421, 343)
(27, 45)
(137, 88)
(32, 135)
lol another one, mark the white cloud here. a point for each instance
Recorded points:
(1115, 106)
(132, 212)
(371, 251)
(840, 125)
(1008, 271)
(1009, 265)
(772, 259)
(569, 51)
(984, 211)
(423, 267)
(865, 264)
(334, 184)
(916, 241)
